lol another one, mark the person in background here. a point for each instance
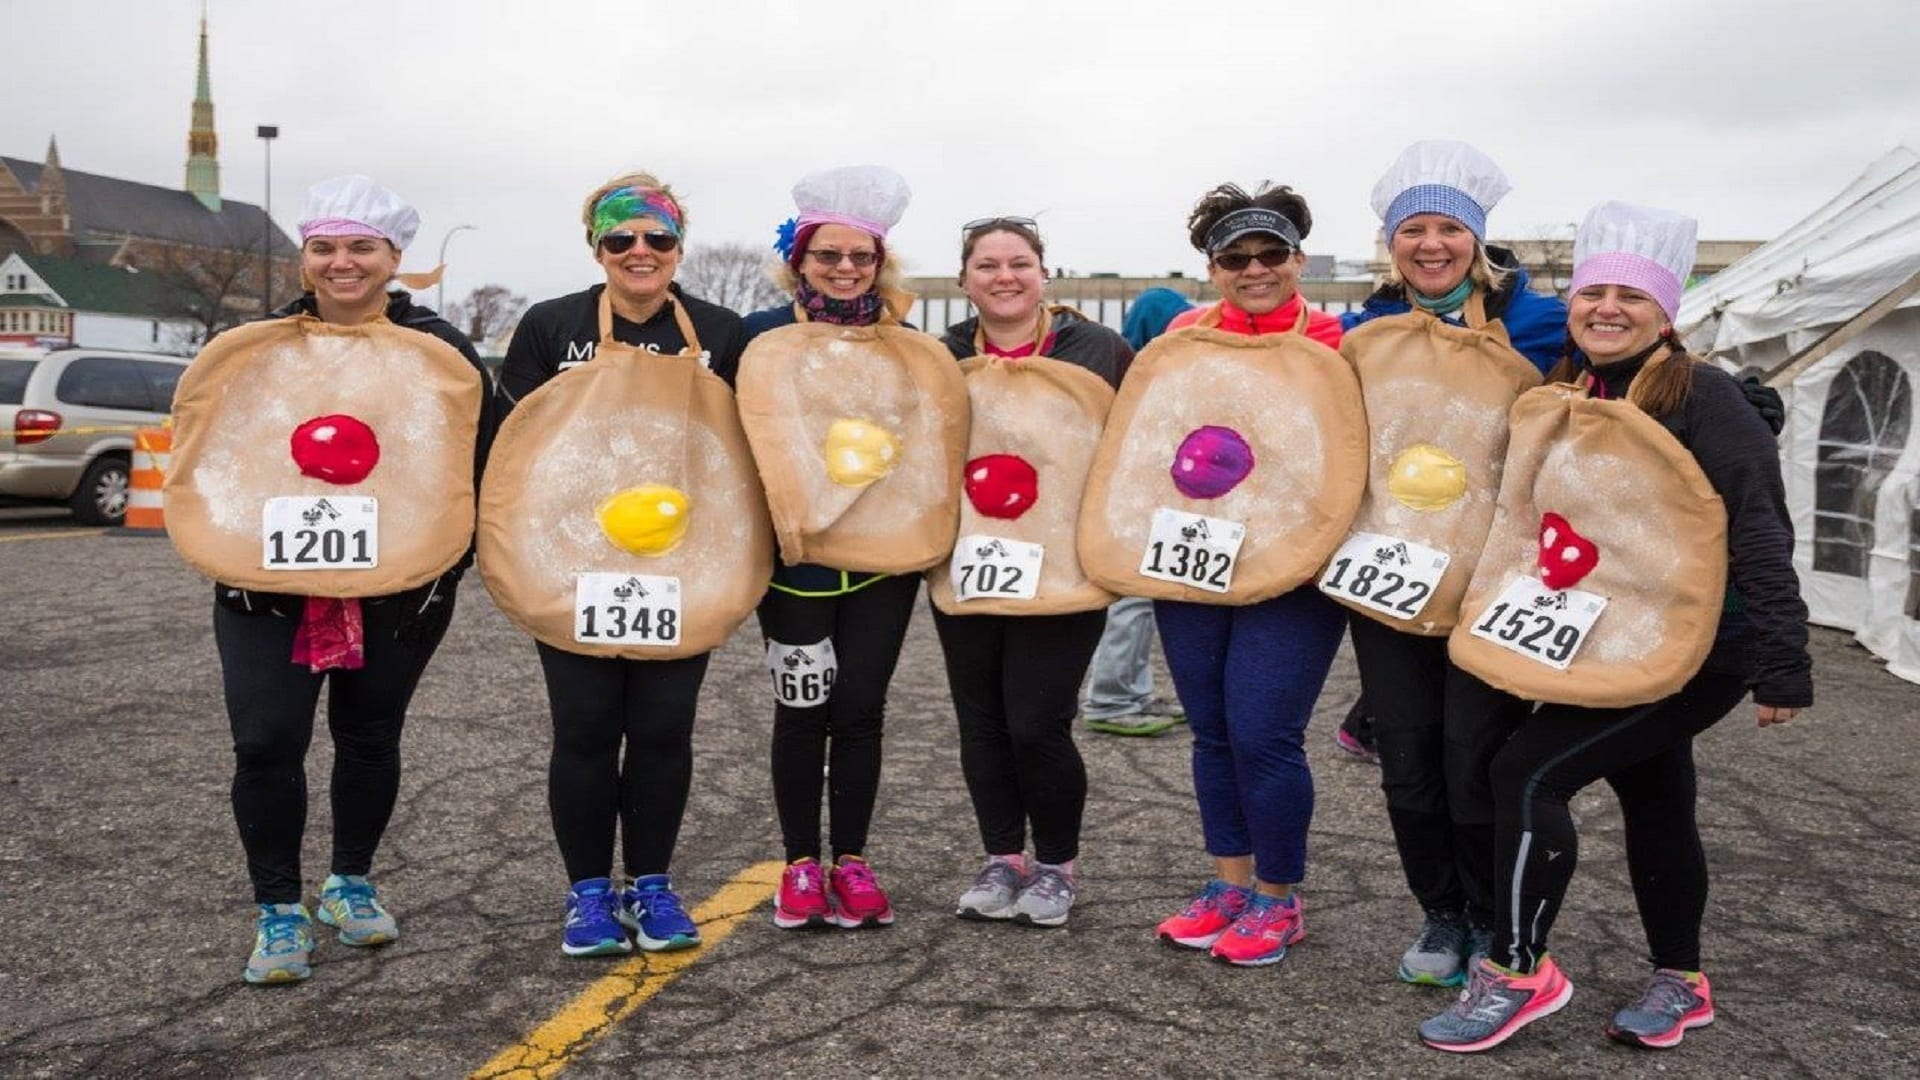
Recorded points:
(622, 729)
(1630, 264)
(1119, 697)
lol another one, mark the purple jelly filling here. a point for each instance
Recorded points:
(1211, 462)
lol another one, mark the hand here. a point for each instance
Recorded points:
(1774, 714)
(1765, 401)
(427, 611)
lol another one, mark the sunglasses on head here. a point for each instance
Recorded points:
(861, 259)
(1235, 261)
(977, 224)
(621, 241)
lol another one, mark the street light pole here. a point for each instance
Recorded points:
(267, 133)
(440, 299)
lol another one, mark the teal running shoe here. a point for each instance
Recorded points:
(282, 946)
(349, 905)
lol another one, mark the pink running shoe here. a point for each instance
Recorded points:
(1496, 1004)
(802, 901)
(1262, 932)
(1206, 916)
(858, 899)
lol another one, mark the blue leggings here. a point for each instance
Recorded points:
(1248, 677)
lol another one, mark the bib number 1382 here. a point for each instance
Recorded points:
(626, 609)
(304, 532)
(1541, 624)
(1192, 549)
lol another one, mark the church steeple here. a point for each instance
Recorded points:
(203, 146)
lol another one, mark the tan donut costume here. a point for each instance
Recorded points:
(1039, 420)
(632, 463)
(859, 433)
(1272, 431)
(1437, 399)
(1635, 522)
(258, 393)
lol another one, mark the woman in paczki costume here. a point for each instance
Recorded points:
(1442, 349)
(367, 417)
(1647, 454)
(609, 484)
(834, 395)
(1040, 378)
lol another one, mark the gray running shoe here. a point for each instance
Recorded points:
(1479, 944)
(282, 945)
(1140, 723)
(1495, 1005)
(991, 896)
(1046, 899)
(1438, 954)
(348, 904)
(1672, 1005)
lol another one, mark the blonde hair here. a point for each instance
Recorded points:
(1484, 274)
(644, 180)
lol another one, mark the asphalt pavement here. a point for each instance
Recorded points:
(124, 915)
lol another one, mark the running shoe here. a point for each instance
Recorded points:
(592, 928)
(1206, 916)
(282, 945)
(1046, 898)
(1479, 944)
(1495, 1004)
(349, 905)
(1136, 724)
(1438, 955)
(858, 900)
(993, 892)
(1262, 933)
(652, 911)
(802, 900)
(1673, 1003)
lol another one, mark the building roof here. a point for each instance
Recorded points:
(114, 207)
(104, 289)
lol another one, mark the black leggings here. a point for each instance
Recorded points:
(836, 745)
(597, 702)
(1646, 754)
(1016, 686)
(270, 706)
(1436, 729)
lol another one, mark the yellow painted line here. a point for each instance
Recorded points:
(51, 536)
(614, 996)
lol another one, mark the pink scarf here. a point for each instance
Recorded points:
(331, 635)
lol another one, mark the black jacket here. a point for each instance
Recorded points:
(557, 334)
(1076, 340)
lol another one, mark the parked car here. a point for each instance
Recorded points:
(67, 420)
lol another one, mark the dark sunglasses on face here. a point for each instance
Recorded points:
(861, 259)
(621, 241)
(1235, 261)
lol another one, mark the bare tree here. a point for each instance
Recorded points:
(731, 275)
(212, 288)
(487, 312)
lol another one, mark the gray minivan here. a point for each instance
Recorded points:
(67, 420)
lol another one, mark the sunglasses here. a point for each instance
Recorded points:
(977, 224)
(1235, 261)
(861, 259)
(621, 241)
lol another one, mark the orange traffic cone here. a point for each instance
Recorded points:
(152, 450)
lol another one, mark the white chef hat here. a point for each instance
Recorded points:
(1440, 176)
(1647, 249)
(870, 198)
(356, 206)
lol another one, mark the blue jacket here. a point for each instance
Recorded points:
(1536, 324)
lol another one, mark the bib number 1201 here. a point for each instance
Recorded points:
(304, 532)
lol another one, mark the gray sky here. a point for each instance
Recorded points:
(1110, 116)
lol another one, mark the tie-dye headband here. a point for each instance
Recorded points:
(625, 204)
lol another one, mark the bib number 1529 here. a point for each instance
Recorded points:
(1541, 624)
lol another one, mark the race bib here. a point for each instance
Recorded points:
(802, 674)
(1392, 576)
(993, 567)
(1192, 549)
(626, 609)
(319, 532)
(1539, 623)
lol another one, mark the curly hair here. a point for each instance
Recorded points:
(1227, 198)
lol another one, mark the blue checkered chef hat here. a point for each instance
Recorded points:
(1440, 176)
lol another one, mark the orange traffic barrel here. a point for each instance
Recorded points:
(152, 449)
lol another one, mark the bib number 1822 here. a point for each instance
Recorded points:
(1392, 576)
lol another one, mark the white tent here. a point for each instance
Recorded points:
(1830, 307)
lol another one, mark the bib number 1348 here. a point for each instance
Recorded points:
(1192, 549)
(626, 609)
(1541, 624)
(305, 532)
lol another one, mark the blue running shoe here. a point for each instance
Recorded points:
(592, 927)
(650, 909)
(348, 903)
(282, 945)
